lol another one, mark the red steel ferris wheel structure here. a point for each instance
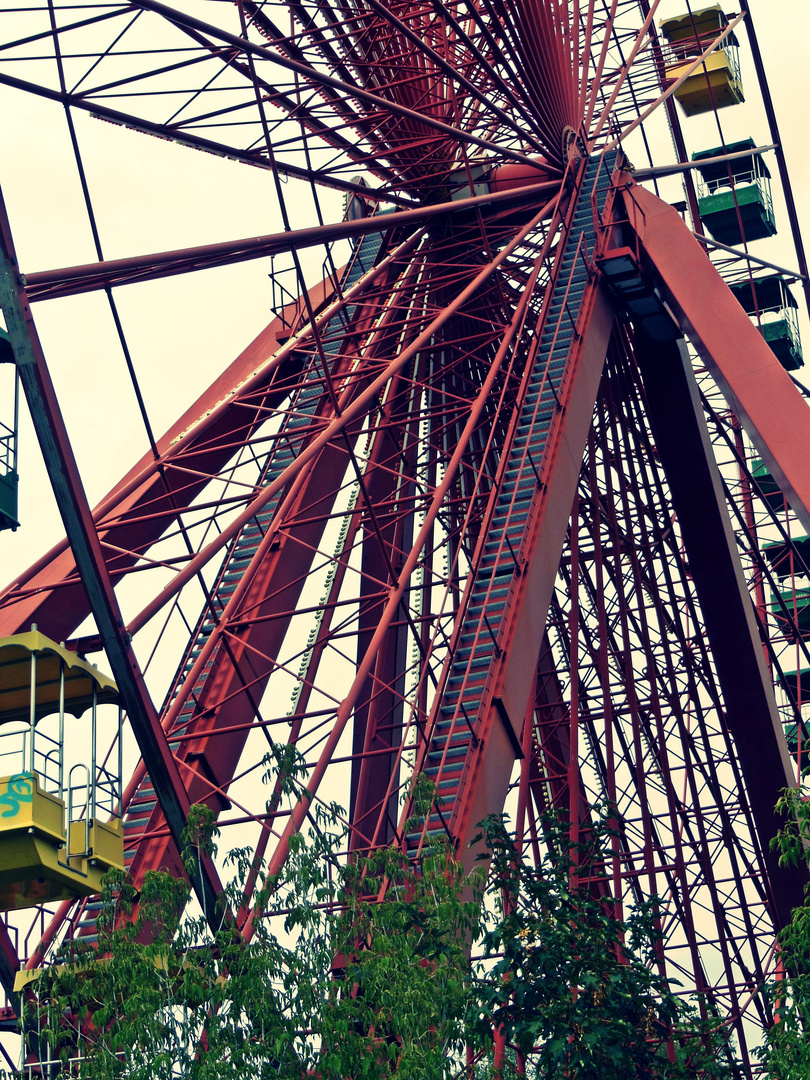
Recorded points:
(512, 493)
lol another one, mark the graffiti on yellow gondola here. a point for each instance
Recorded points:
(19, 789)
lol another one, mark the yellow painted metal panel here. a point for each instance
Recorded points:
(24, 805)
(100, 844)
(15, 678)
(36, 864)
(713, 85)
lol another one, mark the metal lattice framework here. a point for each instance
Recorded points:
(360, 539)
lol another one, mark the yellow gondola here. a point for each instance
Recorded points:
(53, 843)
(716, 83)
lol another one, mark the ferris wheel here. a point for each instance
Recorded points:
(511, 490)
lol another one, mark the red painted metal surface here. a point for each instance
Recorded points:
(435, 518)
(760, 391)
(144, 503)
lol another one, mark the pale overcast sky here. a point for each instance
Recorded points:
(152, 195)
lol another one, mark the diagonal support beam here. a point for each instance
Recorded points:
(71, 280)
(774, 414)
(684, 447)
(491, 761)
(83, 538)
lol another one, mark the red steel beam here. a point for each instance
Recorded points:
(72, 280)
(683, 444)
(62, 609)
(490, 762)
(255, 621)
(315, 76)
(774, 414)
(348, 412)
(253, 627)
(453, 73)
(378, 713)
(203, 439)
(396, 592)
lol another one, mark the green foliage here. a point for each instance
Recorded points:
(405, 983)
(576, 988)
(334, 986)
(329, 985)
(786, 1050)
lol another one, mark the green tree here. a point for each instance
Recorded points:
(786, 1050)
(329, 985)
(575, 988)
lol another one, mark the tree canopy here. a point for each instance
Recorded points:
(377, 966)
(785, 1052)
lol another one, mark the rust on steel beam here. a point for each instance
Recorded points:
(649, 750)
(772, 411)
(84, 542)
(682, 441)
